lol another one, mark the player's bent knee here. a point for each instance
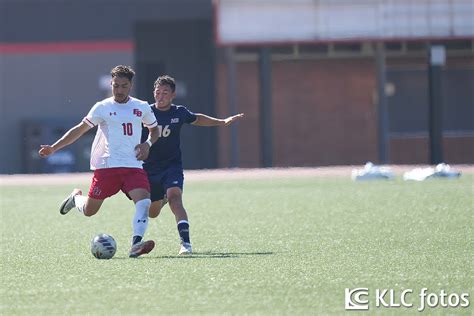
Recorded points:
(138, 195)
(91, 207)
(175, 200)
(174, 193)
(155, 209)
(174, 196)
(90, 212)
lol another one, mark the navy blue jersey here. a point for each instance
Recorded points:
(166, 151)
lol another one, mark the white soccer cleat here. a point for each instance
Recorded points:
(141, 248)
(185, 249)
(68, 203)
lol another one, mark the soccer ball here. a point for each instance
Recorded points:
(103, 246)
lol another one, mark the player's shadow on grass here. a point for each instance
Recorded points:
(212, 254)
(204, 254)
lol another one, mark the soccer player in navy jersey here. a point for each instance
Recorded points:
(164, 165)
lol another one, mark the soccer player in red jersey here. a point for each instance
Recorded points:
(116, 155)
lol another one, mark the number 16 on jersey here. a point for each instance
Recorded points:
(164, 131)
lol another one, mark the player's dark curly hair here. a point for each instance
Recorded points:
(122, 71)
(165, 80)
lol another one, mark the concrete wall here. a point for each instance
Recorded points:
(48, 87)
(415, 149)
(317, 107)
(53, 53)
(324, 112)
(66, 20)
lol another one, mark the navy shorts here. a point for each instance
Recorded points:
(167, 178)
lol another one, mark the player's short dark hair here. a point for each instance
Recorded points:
(165, 80)
(123, 72)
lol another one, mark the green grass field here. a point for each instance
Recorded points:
(262, 247)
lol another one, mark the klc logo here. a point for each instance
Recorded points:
(357, 299)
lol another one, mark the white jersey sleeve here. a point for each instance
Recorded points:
(149, 119)
(94, 117)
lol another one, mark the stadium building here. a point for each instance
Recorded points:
(321, 82)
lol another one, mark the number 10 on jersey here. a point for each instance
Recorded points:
(127, 129)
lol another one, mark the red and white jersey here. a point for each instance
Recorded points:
(119, 131)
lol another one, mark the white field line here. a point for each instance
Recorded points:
(217, 174)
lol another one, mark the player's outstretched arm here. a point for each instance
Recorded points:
(206, 120)
(68, 138)
(233, 118)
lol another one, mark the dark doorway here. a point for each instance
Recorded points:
(146, 76)
(184, 50)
